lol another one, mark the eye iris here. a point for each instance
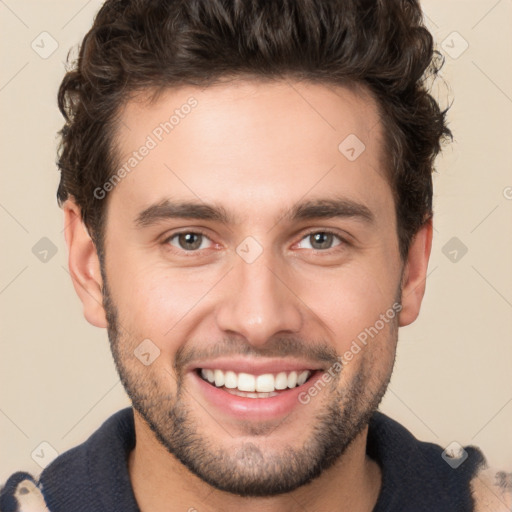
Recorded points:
(321, 240)
(190, 240)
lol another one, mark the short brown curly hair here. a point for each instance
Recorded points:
(136, 45)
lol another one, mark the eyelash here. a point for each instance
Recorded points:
(168, 246)
(343, 241)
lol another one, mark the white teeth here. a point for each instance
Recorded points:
(230, 380)
(281, 381)
(265, 382)
(251, 395)
(292, 380)
(261, 386)
(209, 375)
(219, 378)
(246, 382)
(303, 377)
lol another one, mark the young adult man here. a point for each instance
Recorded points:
(248, 207)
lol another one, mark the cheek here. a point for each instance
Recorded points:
(349, 302)
(157, 302)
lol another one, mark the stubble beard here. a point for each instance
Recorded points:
(248, 469)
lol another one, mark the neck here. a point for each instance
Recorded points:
(161, 483)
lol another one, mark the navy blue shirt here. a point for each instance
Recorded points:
(93, 477)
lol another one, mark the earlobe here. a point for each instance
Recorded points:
(415, 274)
(84, 266)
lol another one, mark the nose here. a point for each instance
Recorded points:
(257, 303)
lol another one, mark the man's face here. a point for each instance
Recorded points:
(272, 250)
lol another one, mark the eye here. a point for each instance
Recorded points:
(319, 241)
(189, 241)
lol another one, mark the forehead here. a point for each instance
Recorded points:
(253, 146)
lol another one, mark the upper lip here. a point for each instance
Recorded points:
(256, 366)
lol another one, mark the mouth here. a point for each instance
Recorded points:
(253, 392)
(248, 385)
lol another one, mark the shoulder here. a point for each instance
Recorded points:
(419, 475)
(492, 490)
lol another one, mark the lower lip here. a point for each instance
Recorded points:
(254, 408)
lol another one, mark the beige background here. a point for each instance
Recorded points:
(452, 380)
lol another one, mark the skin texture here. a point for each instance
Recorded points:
(256, 150)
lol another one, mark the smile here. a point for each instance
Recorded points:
(248, 390)
(254, 386)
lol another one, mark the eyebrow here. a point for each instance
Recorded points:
(167, 209)
(330, 208)
(314, 209)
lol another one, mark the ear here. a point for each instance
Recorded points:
(415, 274)
(84, 265)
